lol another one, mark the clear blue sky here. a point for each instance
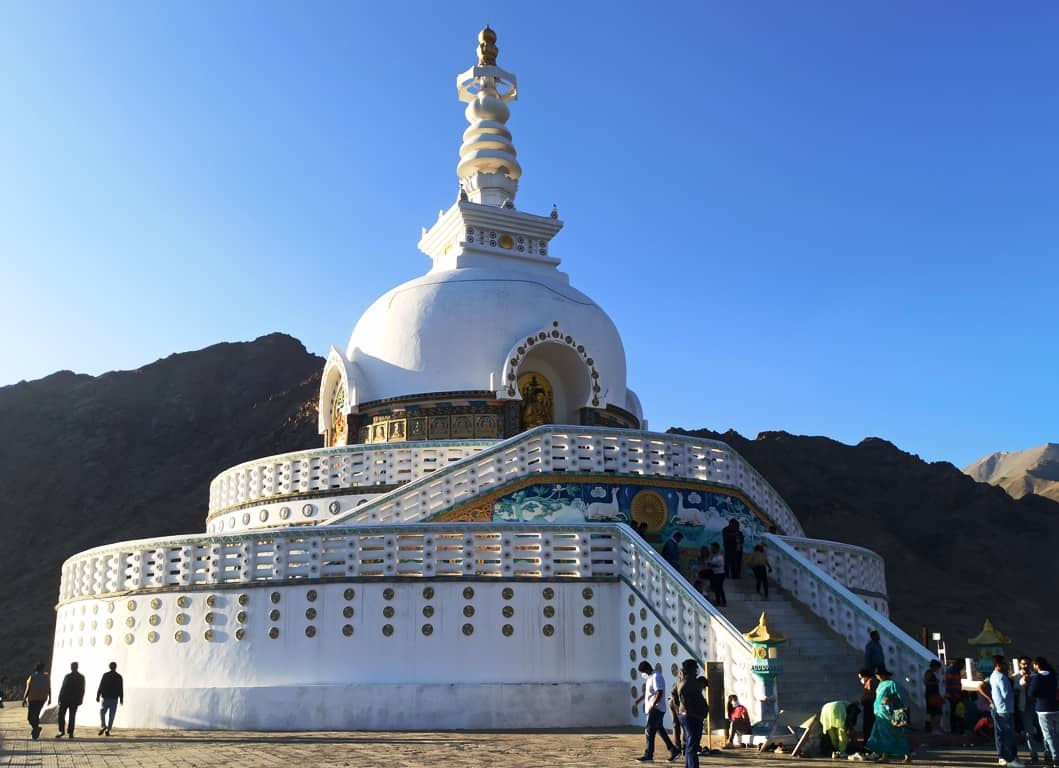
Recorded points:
(836, 218)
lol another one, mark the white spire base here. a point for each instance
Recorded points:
(482, 235)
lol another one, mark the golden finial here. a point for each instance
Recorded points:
(487, 49)
(762, 633)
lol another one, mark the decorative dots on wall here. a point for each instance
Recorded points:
(273, 632)
(589, 629)
(428, 593)
(180, 636)
(468, 593)
(587, 593)
(243, 599)
(468, 611)
(387, 594)
(347, 612)
(427, 630)
(241, 617)
(507, 593)
(549, 593)
(240, 633)
(548, 630)
(428, 611)
(507, 630)
(347, 630)
(508, 611)
(155, 604)
(349, 594)
(387, 629)
(311, 595)
(388, 612)
(274, 597)
(310, 631)
(131, 605)
(549, 611)
(310, 614)
(468, 629)
(152, 637)
(182, 619)
(588, 611)
(183, 601)
(274, 614)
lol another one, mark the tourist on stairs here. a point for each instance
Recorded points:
(716, 566)
(758, 560)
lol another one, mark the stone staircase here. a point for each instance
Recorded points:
(818, 665)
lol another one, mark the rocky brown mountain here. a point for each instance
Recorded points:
(1035, 470)
(86, 461)
(957, 551)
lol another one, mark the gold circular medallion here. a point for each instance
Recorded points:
(650, 508)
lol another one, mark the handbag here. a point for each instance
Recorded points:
(899, 717)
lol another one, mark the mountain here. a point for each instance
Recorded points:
(1035, 470)
(957, 551)
(86, 461)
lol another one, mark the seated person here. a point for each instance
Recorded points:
(738, 720)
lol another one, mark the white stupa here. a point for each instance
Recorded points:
(459, 553)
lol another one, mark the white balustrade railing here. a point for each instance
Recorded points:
(860, 570)
(460, 550)
(851, 617)
(330, 469)
(594, 450)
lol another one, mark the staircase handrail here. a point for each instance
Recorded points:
(852, 618)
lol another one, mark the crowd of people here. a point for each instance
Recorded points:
(716, 563)
(37, 694)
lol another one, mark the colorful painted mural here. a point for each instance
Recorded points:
(699, 515)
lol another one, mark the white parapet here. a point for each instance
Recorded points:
(459, 626)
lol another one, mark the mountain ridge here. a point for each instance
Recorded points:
(1032, 470)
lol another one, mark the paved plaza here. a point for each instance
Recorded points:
(238, 749)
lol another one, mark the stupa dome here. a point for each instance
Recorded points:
(458, 330)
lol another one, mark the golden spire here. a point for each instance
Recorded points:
(762, 634)
(487, 49)
(989, 635)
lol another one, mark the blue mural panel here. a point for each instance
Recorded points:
(699, 515)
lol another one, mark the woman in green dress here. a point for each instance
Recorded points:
(888, 740)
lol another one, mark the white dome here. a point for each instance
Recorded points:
(458, 330)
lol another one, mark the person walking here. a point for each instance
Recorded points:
(36, 695)
(732, 537)
(654, 707)
(873, 652)
(1001, 696)
(1043, 692)
(716, 566)
(71, 696)
(691, 702)
(758, 560)
(112, 692)
(889, 737)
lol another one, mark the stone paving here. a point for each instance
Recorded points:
(236, 749)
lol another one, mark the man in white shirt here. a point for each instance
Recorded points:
(653, 698)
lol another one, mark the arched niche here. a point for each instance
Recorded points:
(565, 374)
